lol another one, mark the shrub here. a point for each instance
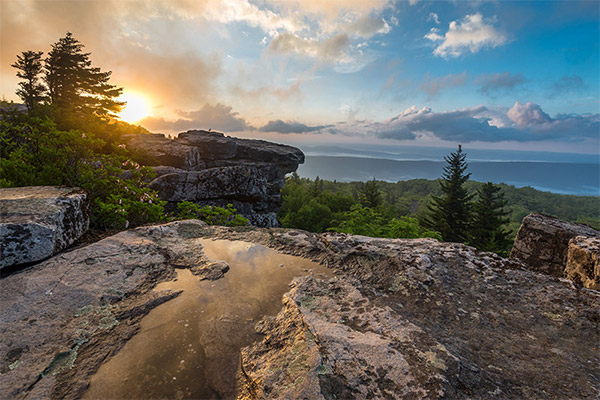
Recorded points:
(212, 215)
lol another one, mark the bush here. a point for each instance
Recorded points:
(212, 215)
(33, 151)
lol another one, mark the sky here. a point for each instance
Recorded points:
(487, 74)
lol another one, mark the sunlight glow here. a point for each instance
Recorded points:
(137, 107)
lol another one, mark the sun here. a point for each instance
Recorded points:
(137, 107)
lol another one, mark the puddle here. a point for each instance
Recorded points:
(189, 347)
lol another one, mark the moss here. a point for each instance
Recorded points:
(108, 322)
(191, 231)
(324, 369)
(84, 310)
(552, 316)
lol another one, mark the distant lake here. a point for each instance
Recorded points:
(580, 178)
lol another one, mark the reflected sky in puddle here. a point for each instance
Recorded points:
(189, 347)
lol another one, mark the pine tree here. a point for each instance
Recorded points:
(31, 91)
(489, 217)
(75, 85)
(450, 213)
(315, 188)
(370, 195)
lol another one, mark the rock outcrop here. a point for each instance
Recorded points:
(403, 319)
(211, 168)
(583, 262)
(39, 221)
(542, 242)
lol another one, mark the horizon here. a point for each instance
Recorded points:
(518, 76)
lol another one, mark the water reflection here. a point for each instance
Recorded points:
(189, 346)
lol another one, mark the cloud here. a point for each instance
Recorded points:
(280, 126)
(470, 34)
(528, 114)
(433, 17)
(433, 86)
(211, 116)
(491, 83)
(567, 85)
(338, 32)
(521, 123)
(329, 50)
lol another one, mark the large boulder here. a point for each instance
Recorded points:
(39, 221)
(583, 262)
(187, 164)
(542, 242)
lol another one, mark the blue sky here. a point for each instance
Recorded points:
(493, 74)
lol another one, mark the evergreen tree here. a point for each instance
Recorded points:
(450, 213)
(489, 218)
(370, 195)
(316, 188)
(31, 91)
(75, 85)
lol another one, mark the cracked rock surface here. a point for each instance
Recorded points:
(403, 318)
(39, 221)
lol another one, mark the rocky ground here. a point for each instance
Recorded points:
(403, 319)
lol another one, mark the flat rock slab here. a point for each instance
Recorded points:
(404, 319)
(542, 242)
(39, 221)
(61, 318)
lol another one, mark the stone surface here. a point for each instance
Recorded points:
(211, 168)
(404, 319)
(542, 242)
(583, 262)
(455, 323)
(79, 307)
(39, 221)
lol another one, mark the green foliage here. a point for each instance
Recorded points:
(450, 213)
(210, 214)
(370, 194)
(29, 66)
(487, 231)
(33, 151)
(323, 209)
(411, 198)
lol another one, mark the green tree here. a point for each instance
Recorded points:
(489, 219)
(316, 188)
(450, 213)
(29, 66)
(370, 194)
(75, 85)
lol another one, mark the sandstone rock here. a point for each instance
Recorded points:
(77, 308)
(542, 242)
(39, 221)
(247, 172)
(404, 319)
(583, 262)
(423, 319)
(241, 183)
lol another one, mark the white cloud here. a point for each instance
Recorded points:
(528, 114)
(433, 17)
(211, 116)
(521, 123)
(470, 34)
(330, 49)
